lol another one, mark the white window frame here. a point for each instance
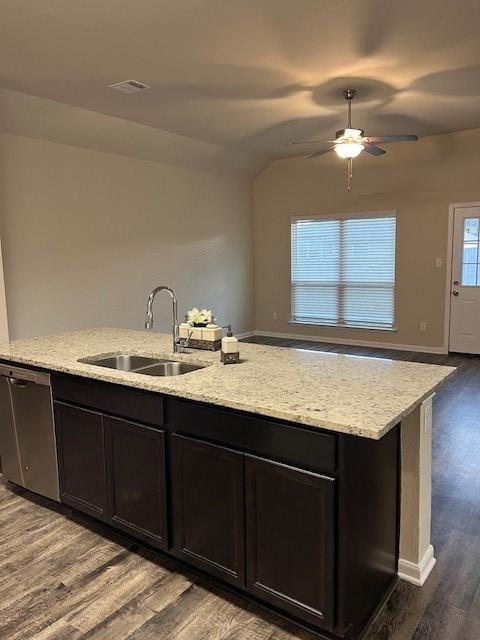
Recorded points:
(389, 213)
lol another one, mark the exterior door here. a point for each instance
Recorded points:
(465, 285)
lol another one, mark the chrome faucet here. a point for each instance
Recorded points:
(178, 343)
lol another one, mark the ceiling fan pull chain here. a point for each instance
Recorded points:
(349, 173)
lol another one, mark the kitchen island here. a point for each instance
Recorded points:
(278, 476)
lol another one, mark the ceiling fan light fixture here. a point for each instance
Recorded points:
(349, 149)
(352, 133)
(349, 142)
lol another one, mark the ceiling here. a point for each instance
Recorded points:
(252, 74)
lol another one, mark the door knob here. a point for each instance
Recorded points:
(455, 292)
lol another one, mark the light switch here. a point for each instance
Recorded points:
(438, 262)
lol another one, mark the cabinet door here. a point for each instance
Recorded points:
(81, 457)
(208, 498)
(290, 539)
(136, 480)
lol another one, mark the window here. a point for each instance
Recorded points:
(471, 257)
(343, 271)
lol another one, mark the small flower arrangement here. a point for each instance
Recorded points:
(197, 318)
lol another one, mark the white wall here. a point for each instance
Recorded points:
(86, 235)
(3, 302)
(419, 180)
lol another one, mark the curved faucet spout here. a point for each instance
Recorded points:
(149, 313)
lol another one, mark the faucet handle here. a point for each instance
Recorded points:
(149, 320)
(184, 342)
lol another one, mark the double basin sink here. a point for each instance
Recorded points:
(142, 364)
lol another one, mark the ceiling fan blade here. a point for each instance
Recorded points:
(305, 142)
(322, 151)
(398, 138)
(372, 150)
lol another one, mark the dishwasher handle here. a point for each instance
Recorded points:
(19, 377)
(15, 382)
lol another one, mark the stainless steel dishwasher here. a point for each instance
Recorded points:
(27, 435)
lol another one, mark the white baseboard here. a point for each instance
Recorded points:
(417, 573)
(247, 334)
(352, 342)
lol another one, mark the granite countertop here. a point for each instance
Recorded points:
(343, 393)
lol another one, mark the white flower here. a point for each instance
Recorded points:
(195, 316)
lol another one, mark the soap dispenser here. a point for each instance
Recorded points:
(229, 353)
(184, 329)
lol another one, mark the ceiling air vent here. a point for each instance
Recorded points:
(129, 86)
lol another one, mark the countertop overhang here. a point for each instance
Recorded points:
(362, 396)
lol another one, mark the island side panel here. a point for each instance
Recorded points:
(417, 557)
(368, 526)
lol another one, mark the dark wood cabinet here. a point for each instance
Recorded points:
(208, 499)
(81, 459)
(290, 539)
(113, 469)
(300, 520)
(136, 479)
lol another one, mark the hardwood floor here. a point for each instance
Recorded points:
(64, 576)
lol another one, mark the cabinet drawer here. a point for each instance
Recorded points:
(291, 444)
(132, 404)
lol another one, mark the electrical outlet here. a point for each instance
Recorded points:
(423, 326)
(274, 315)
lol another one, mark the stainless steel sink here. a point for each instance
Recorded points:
(121, 362)
(142, 364)
(170, 369)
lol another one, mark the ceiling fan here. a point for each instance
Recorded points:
(350, 142)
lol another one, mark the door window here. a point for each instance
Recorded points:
(471, 251)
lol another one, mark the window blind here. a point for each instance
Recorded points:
(343, 271)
